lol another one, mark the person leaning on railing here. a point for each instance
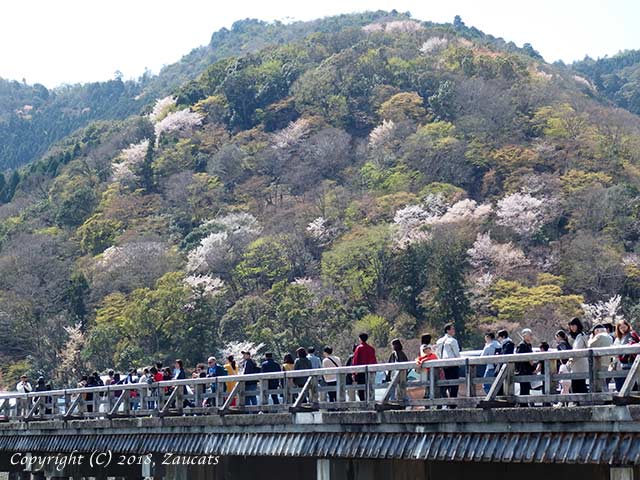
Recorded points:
(330, 361)
(426, 354)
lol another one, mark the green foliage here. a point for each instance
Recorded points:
(513, 301)
(376, 326)
(98, 233)
(360, 264)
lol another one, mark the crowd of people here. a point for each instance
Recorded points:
(446, 347)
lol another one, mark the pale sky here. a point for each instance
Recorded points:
(68, 41)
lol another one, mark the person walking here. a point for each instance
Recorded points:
(287, 366)
(249, 367)
(313, 358)
(214, 370)
(625, 335)
(491, 347)
(397, 356)
(447, 348)
(330, 380)
(232, 369)
(528, 367)
(270, 366)
(578, 340)
(364, 354)
(348, 379)
(301, 363)
(600, 338)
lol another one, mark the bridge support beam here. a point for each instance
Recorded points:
(621, 473)
(323, 468)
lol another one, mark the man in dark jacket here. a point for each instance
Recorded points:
(251, 386)
(268, 366)
(214, 369)
(507, 347)
(525, 368)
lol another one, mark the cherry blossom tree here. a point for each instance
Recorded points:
(218, 251)
(162, 108)
(604, 312)
(433, 44)
(382, 133)
(291, 135)
(204, 285)
(523, 213)
(122, 169)
(184, 121)
(494, 258)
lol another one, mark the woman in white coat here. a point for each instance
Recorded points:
(578, 340)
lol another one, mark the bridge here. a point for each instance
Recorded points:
(401, 428)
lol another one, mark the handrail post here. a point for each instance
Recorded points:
(401, 389)
(340, 391)
(548, 387)
(470, 373)
(594, 386)
(370, 385)
(432, 383)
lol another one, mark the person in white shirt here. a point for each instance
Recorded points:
(447, 347)
(23, 386)
(330, 361)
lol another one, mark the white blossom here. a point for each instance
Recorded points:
(465, 210)
(214, 247)
(394, 26)
(122, 169)
(631, 260)
(320, 231)
(583, 81)
(161, 108)
(410, 223)
(433, 44)
(496, 258)
(180, 121)
(132, 253)
(381, 133)
(291, 135)
(373, 27)
(523, 213)
(235, 349)
(603, 312)
(239, 224)
(219, 249)
(403, 26)
(435, 204)
(204, 285)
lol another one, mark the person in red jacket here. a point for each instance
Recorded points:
(364, 354)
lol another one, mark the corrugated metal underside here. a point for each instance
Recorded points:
(601, 448)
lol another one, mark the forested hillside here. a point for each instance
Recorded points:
(387, 176)
(32, 117)
(617, 77)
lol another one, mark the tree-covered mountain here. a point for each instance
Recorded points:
(33, 118)
(616, 77)
(386, 175)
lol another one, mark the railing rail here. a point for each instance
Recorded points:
(306, 389)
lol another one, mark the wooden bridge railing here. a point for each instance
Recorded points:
(409, 386)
